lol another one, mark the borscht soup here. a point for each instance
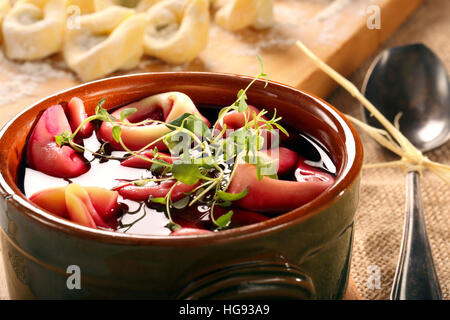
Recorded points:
(164, 165)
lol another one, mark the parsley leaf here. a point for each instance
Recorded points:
(186, 173)
(226, 196)
(224, 220)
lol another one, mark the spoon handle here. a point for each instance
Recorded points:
(415, 277)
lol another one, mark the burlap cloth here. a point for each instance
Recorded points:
(379, 220)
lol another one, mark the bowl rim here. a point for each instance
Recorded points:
(339, 189)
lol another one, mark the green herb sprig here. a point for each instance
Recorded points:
(210, 152)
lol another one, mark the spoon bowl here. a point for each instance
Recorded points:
(409, 85)
(413, 82)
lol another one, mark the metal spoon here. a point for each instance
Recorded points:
(413, 81)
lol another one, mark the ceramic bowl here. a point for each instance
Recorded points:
(303, 254)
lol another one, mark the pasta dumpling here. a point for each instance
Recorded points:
(234, 15)
(106, 41)
(177, 30)
(4, 8)
(264, 16)
(34, 29)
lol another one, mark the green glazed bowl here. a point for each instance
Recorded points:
(303, 254)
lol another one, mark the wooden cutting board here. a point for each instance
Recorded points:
(335, 30)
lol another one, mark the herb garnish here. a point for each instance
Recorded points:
(206, 156)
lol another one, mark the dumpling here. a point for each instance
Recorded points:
(4, 8)
(139, 5)
(34, 29)
(264, 16)
(164, 107)
(177, 30)
(235, 15)
(106, 41)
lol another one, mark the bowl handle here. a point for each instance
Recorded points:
(260, 279)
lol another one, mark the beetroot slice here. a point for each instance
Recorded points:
(287, 159)
(43, 154)
(143, 193)
(272, 195)
(75, 203)
(137, 162)
(235, 120)
(189, 232)
(78, 114)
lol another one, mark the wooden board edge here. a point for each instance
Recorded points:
(345, 62)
